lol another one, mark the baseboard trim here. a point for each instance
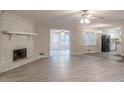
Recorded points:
(80, 53)
(91, 52)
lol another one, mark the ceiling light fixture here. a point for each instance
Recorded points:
(82, 21)
(85, 20)
(62, 32)
(86, 17)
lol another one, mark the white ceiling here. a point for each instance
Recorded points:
(71, 17)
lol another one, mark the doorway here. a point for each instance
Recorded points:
(59, 42)
(114, 39)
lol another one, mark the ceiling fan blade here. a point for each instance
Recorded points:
(96, 17)
(89, 15)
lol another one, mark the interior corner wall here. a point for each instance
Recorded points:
(42, 41)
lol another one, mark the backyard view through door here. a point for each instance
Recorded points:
(59, 42)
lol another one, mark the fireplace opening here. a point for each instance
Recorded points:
(19, 54)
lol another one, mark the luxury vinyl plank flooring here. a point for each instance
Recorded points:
(67, 68)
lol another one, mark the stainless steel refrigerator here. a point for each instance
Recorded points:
(105, 43)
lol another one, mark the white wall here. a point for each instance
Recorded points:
(43, 40)
(77, 44)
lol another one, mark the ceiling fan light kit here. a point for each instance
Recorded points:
(84, 20)
(81, 21)
(85, 17)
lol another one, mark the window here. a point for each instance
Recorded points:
(64, 39)
(89, 38)
(55, 37)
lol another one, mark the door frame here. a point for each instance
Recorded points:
(70, 46)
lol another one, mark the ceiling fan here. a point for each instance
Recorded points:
(85, 17)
